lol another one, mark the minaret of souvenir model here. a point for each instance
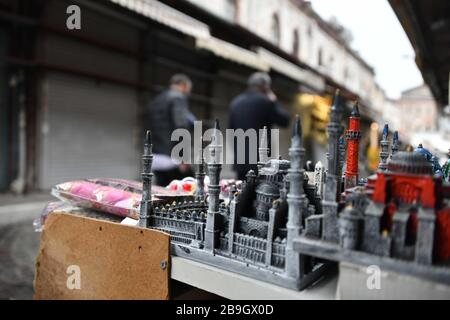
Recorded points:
(333, 176)
(341, 154)
(384, 153)
(214, 169)
(334, 127)
(319, 178)
(446, 169)
(146, 202)
(353, 135)
(200, 174)
(395, 144)
(263, 150)
(296, 199)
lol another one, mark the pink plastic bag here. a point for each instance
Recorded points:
(97, 194)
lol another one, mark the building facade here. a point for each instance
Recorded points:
(419, 112)
(297, 29)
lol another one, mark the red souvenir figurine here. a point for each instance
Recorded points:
(353, 135)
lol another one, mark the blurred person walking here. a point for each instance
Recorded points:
(256, 108)
(165, 113)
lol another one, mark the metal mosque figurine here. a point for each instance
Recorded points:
(286, 230)
(430, 158)
(342, 149)
(333, 178)
(399, 220)
(263, 150)
(200, 174)
(253, 235)
(395, 144)
(446, 169)
(384, 150)
(146, 203)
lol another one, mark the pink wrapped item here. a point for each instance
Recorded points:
(115, 196)
(121, 199)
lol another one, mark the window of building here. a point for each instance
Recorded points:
(346, 74)
(310, 31)
(232, 7)
(330, 65)
(275, 29)
(320, 57)
(296, 43)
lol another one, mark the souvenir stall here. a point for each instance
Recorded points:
(280, 234)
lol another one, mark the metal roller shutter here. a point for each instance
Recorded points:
(88, 130)
(4, 123)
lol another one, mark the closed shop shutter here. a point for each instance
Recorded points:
(4, 117)
(88, 130)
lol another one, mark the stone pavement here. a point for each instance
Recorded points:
(19, 243)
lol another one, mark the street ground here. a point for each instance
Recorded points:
(19, 244)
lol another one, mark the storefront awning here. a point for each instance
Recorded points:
(291, 70)
(232, 52)
(427, 25)
(262, 59)
(166, 15)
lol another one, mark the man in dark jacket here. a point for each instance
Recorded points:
(167, 112)
(255, 109)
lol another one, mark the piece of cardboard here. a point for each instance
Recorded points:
(85, 258)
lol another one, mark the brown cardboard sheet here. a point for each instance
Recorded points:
(85, 258)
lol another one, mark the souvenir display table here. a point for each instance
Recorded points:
(234, 286)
